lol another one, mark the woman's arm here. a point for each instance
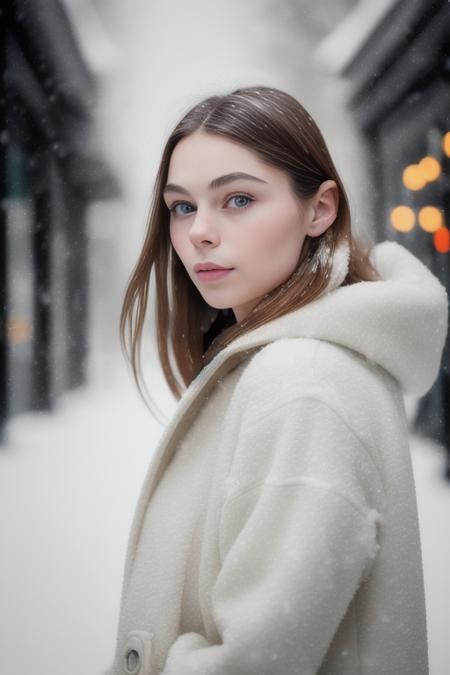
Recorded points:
(296, 546)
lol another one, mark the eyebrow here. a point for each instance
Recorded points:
(216, 183)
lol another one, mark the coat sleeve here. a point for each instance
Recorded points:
(296, 542)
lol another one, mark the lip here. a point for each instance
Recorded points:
(206, 265)
(213, 275)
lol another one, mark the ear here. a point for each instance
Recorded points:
(324, 208)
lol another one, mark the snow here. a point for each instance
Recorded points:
(96, 47)
(337, 49)
(433, 497)
(68, 484)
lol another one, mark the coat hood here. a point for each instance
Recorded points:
(398, 322)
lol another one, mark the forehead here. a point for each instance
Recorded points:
(210, 155)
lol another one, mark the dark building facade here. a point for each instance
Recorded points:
(400, 96)
(50, 171)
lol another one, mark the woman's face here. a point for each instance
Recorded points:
(256, 226)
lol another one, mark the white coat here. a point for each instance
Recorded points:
(276, 532)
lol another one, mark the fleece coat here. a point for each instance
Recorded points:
(276, 532)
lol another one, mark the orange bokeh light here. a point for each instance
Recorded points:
(430, 167)
(430, 218)
(413, 177)
(403, 218)
(441, 240)
(18, 329)
(446, 143)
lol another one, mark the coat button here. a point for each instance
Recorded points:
(137, 654)
(132, 662)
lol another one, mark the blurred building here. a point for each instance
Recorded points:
(51, 170)
(395, 55)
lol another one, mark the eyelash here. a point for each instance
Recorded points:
(237, 194)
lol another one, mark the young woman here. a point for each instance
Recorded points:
(276, 532)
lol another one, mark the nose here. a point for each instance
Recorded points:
(203, 229)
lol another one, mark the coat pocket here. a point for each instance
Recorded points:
(137, 653)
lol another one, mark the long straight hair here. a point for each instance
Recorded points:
(278, 129)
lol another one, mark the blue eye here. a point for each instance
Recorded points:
(243, 206)
(173, 209)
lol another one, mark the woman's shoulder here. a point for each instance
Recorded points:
(306, 360)
(290, 368)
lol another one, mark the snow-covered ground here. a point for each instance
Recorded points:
(68, 484)
(433, 498)
(69, 481)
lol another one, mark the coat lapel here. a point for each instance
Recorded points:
(187, 409)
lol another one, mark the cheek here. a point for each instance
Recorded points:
(172, 233)
(273, 251)
(176, 240)
(278, 237)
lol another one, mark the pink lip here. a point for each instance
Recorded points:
(212, 275)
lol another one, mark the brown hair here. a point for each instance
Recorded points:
(277, 128)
